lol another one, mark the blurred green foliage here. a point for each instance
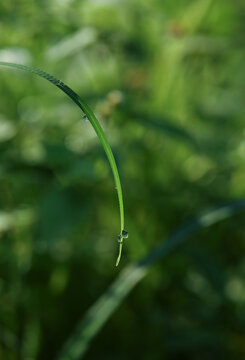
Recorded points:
(166, 79)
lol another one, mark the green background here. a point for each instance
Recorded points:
(166, 80)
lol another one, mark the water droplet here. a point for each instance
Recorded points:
(85, 118)
(119, 238)
(124, 234)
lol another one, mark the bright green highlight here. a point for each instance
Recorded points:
(99, 131)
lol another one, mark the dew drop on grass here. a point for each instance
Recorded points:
(85, 118)
(124, 234)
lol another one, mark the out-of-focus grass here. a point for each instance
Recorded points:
(76, 347)
(167, 82)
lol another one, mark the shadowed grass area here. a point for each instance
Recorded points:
(100, 312)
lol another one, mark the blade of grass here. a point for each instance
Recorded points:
(98, 129)
(97, 315)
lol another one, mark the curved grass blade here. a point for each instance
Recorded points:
(98, 314)
(98, 129)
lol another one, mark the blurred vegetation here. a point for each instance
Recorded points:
(167, 82)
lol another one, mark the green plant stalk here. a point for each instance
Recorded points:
(97, 127)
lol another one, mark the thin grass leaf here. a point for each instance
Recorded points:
(98, 129)
(94, 319)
